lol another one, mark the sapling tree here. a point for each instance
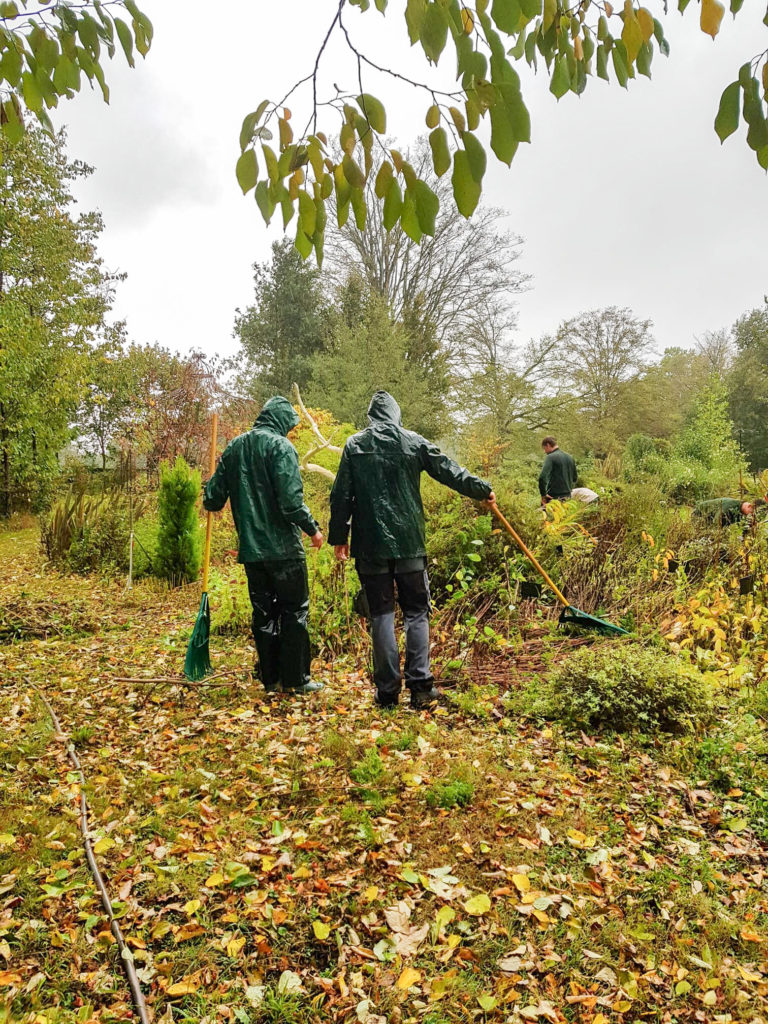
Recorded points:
(179, 542)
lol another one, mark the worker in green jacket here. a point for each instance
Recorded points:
(377, 493)
(558, 474)
(725, 511)
(259, 474)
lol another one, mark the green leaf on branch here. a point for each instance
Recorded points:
(466, 190)
(427, 206)
(307, 213)
(247, 170)
(531, 8)
(126, 40)
(503, 141)
(434, 31)
(507, 14)
(441, 156)
(352, 172)
(620, 66)
(415, 12)
(264, 201)
(303, 244)
(409, 218)
(561, 77)
(475, 155)
(393, 205)
(383, 179)
(727, 120)
(374, 112)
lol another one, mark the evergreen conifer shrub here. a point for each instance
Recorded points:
(179, 540)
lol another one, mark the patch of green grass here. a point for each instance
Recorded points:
(397, 740)
(339, 748)
(82, 735)
(458, 793)
(475, 701)
(370, 768)
(363, 826)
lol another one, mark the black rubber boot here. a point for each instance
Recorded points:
(422, 699)
(311, 687)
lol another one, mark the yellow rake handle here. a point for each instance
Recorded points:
(528, 553)
(209, 519)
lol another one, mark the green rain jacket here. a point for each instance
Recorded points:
(377, 488)
(259, 473)
(558, 475)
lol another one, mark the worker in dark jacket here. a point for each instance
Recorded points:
(259, 474)
(558, 474)
(377, 492)
(724, 511)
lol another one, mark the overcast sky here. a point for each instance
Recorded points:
(623, 198)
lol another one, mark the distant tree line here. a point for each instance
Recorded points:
(435, 323)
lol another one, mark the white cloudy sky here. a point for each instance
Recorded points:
(623, 198)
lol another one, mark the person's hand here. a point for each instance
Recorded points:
(342, 552)
(491, 499)
(317, 540)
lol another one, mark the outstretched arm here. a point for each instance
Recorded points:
(450, 473)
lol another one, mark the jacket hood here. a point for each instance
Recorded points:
(279, 414)
(384, 409)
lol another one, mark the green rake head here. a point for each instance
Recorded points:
(197, 664)
(571, 616)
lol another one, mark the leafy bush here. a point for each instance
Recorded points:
(83, 533)
(624, 688)
(179, 541)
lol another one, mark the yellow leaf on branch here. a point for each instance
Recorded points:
(711, 15)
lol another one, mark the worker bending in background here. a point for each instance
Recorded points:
(725, 511)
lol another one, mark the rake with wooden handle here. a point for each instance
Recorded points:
(197, 663)
(570, 616)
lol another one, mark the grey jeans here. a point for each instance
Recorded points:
(379, 582)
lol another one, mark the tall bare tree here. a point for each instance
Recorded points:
(442, 279)
(500, 385)
(597, 353)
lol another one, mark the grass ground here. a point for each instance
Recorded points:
(319, 859)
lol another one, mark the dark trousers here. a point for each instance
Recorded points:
(279, 592)
(413, 598)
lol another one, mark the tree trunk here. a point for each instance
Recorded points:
(6, 507)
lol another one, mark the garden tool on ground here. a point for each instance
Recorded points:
(197, 664)
(569, 616)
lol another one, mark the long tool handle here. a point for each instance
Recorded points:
(528, 554)
(209, 520)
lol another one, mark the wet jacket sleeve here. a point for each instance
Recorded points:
(216, 490)
(342, 501)
(545, 476)
(450, 473)
(289, 491)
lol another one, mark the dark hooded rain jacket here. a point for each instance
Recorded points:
(259, 473)
(377, 489)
